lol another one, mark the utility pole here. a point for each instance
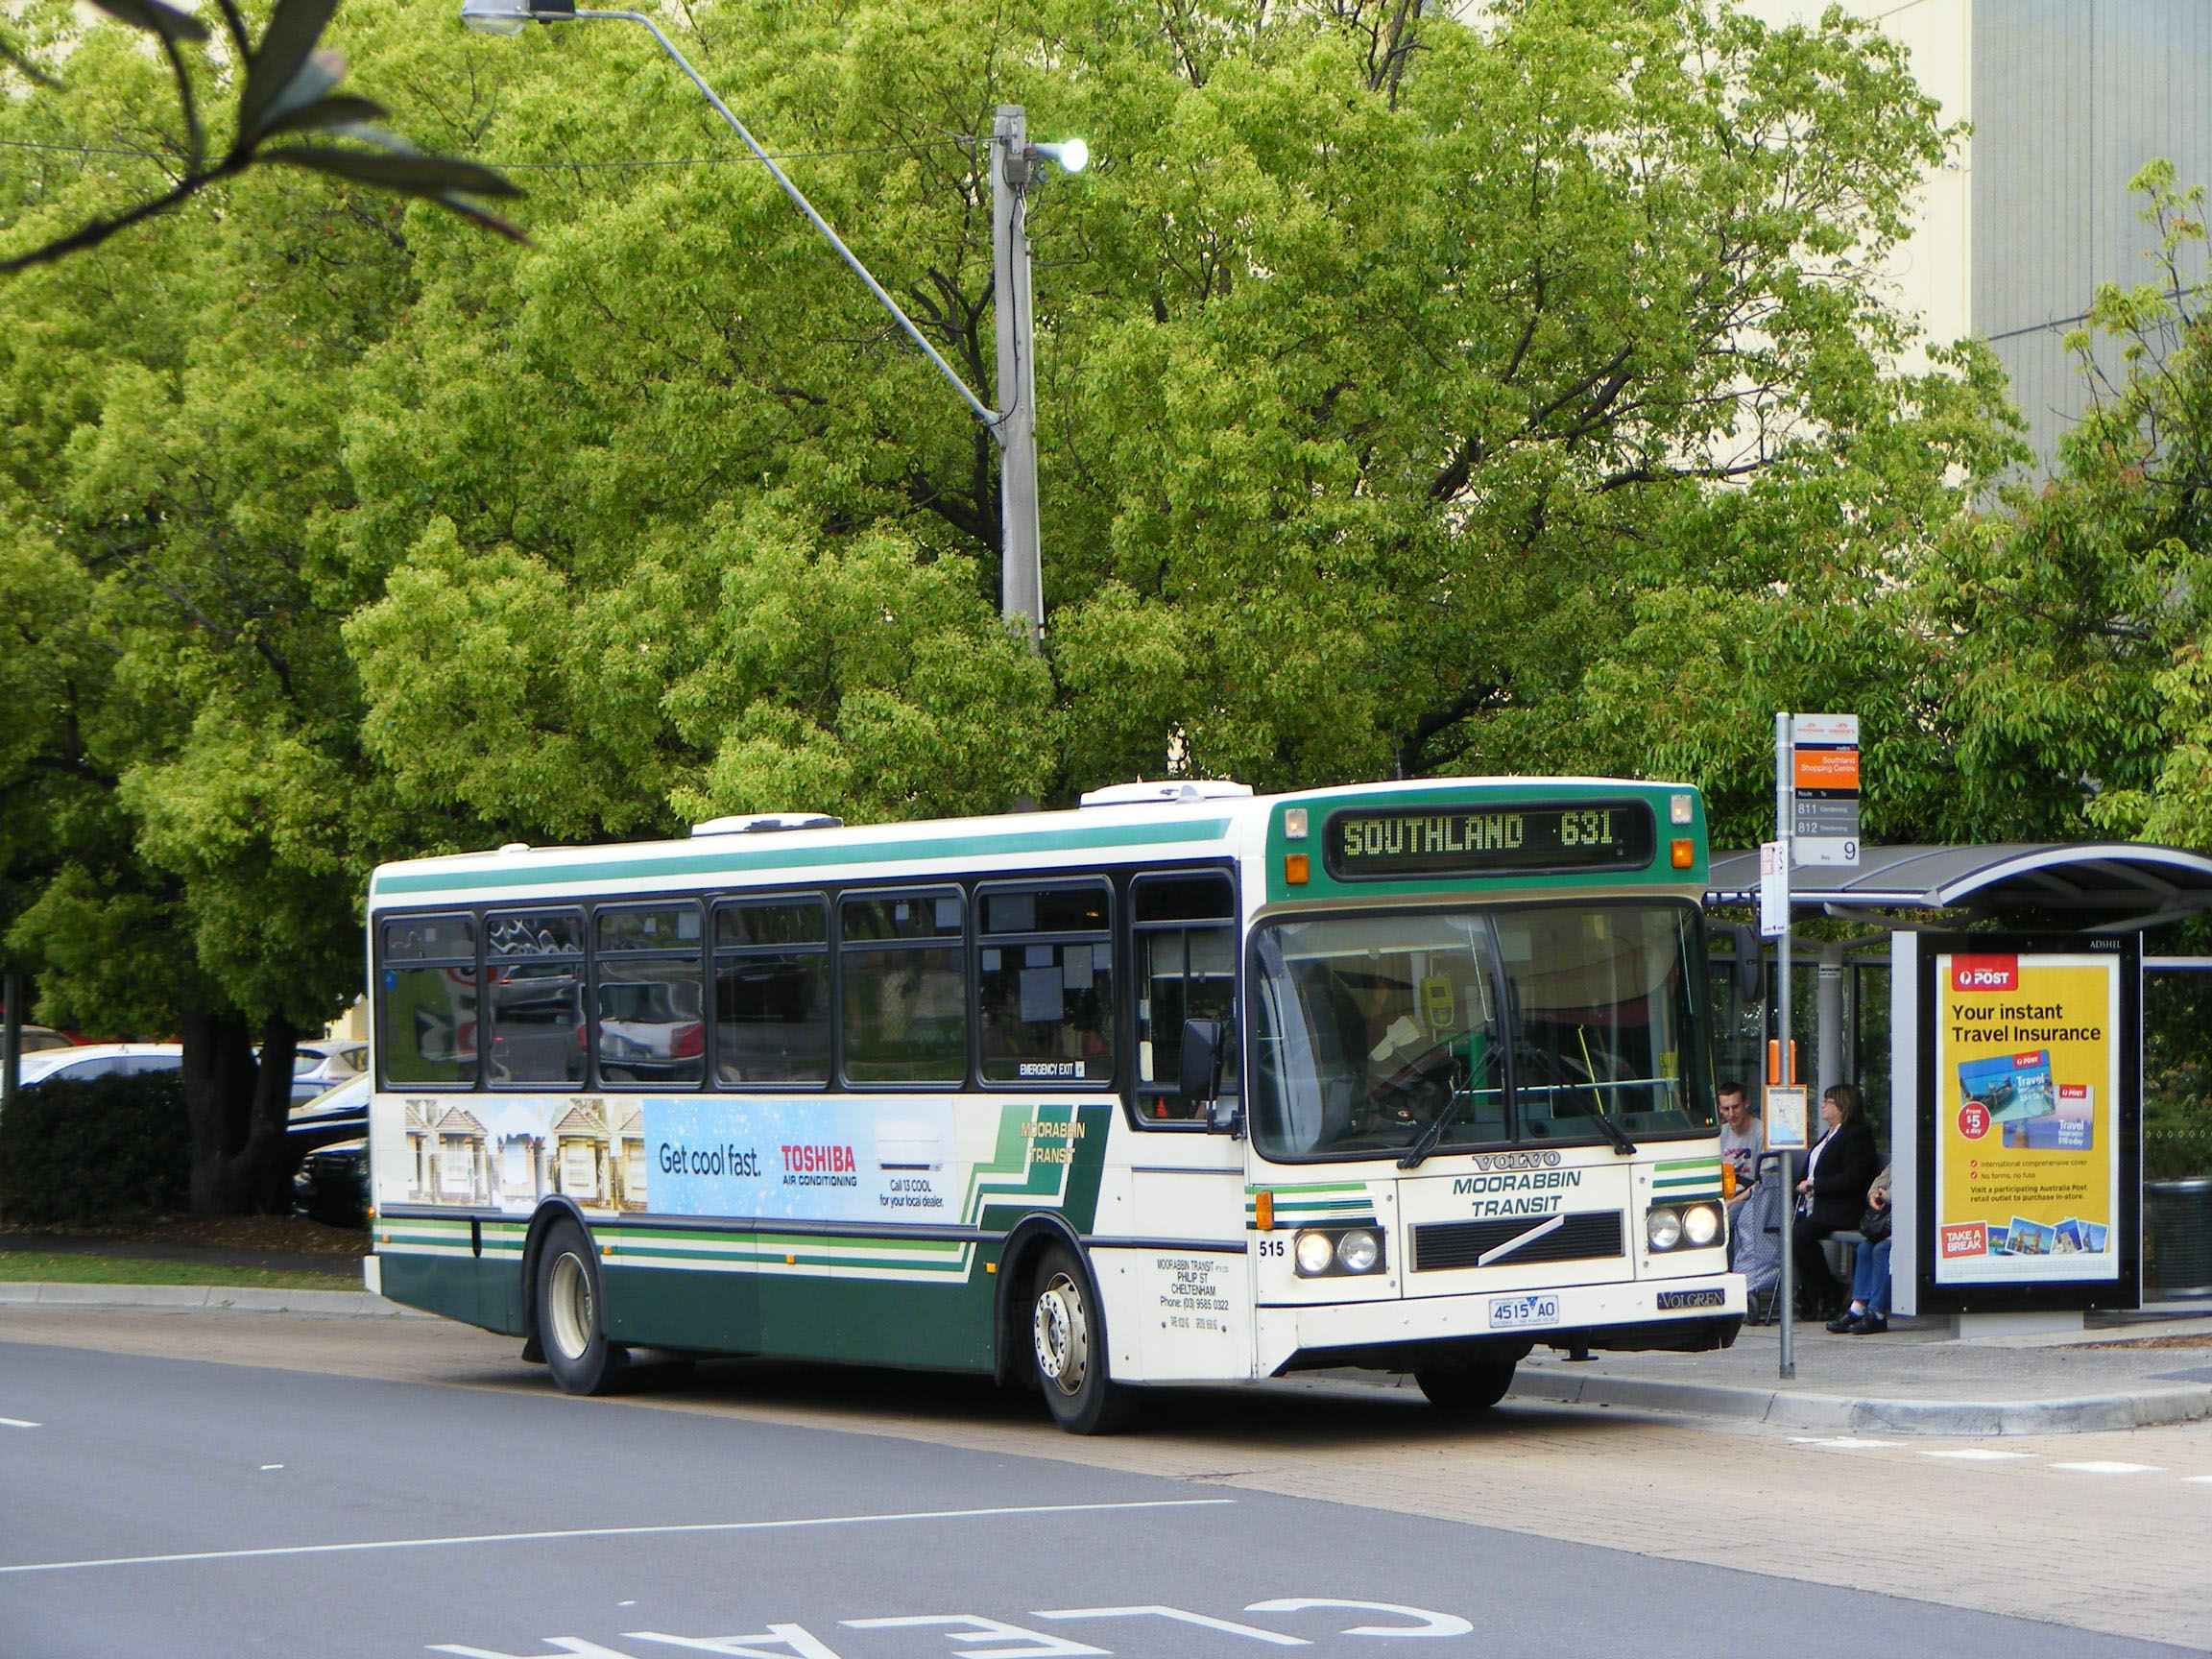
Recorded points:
(1021, 571)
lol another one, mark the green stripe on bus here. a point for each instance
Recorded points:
(717, 859)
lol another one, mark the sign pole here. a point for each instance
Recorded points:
(1784, 801)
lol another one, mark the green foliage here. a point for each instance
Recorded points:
(102, 1150)
(2066, 631)
(288, 89)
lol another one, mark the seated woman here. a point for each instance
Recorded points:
(1832, 1196)
(1868, 1315)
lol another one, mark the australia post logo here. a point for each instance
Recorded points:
(1984, 972)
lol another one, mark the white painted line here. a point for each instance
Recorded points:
(621, 1532)
(266, 1467)
(2196, 1480)
(15, 1423)
(1977, 1455)
(1848, 1442)
(2107, 1468)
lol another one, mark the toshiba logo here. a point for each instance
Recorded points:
(1984, 972)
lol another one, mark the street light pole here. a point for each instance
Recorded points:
(1014, 424)
(1020, 569)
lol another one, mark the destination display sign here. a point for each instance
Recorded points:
(1396, 842)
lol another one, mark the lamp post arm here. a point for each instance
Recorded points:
(976, 406)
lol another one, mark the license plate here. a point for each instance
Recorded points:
(1521, 1312)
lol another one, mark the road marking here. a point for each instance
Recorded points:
(622, 1533)
(1848, 1442)
(15, 1423)
(2196, 1480)
(2107, 1468)
(266, 1467)
(1977, 1455)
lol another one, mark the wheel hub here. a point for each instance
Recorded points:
(569, 1298)
(1062, 1335)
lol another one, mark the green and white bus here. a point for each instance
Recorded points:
(1183, 1086)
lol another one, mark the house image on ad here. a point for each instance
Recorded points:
(630, 1166)
(520, 1164)
(584, 1155)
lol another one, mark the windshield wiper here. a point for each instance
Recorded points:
(1614, 1133)
(1432, 1132)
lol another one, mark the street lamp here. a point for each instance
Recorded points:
(1013, 167)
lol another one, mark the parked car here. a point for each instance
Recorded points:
(79, 1061)
(37, 1039)
(320, 1062)
(331, 1184)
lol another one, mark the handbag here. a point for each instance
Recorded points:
(1874, 1225)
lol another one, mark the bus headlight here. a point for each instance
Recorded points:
(1336, 1252)
(1702, 1224)
(1663, 1228)
(1315, 1252)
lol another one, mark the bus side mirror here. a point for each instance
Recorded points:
(1200, 1080)
(1750, 965)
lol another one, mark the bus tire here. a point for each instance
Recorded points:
(1474, 1387)
(1068, 1344)
(571, 1315)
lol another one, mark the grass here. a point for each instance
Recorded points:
(77, 1267)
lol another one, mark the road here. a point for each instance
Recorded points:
(176, 1485)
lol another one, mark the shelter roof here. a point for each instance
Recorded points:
(2102, 886)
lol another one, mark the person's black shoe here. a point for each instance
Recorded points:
(1869, 1325)
(1843, 1321)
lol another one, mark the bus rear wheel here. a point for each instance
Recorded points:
(571, 1315)
(1069, 1342)
(1474, 1387)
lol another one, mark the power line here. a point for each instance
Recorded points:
(564, 166)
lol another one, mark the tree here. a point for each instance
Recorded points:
(2066, 628)
(189, 813)
(1393, 372)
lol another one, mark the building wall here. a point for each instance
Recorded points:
(2071, 98)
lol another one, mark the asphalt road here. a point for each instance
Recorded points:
(305, 1488)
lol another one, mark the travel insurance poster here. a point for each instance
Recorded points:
(2027, 1103)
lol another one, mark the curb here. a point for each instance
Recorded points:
(1832, 1413)
(215, 1298)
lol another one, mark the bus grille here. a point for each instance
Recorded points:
(1442, 1244)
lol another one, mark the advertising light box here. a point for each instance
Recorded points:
(2029, 1144)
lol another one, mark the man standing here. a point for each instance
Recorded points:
(1743, 1137)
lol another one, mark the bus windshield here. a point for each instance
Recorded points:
(1477, 1027)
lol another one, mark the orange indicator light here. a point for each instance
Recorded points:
(1685, 853)
(1264, 1211)
(1296, 867)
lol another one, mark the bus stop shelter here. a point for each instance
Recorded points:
(2094, 888)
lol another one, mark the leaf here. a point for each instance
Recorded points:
(415, 175)
(156, 18)
(489, 221)
(316, 77)
(324, 113)
(293, 31)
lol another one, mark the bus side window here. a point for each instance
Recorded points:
(1185, 933)
(903, 984)
(772, 991)
(648, 1027)
(534, 991)
(1045, 984)
(426, 1006)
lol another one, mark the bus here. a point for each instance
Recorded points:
(1182, 1086)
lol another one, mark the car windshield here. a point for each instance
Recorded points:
(1477, 1027)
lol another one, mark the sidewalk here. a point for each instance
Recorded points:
(2124, 1372)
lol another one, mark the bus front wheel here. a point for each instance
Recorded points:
(572, 1320)
(1473, 1387)
(1069, 1339)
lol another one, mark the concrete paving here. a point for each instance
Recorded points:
(1916, 1379)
